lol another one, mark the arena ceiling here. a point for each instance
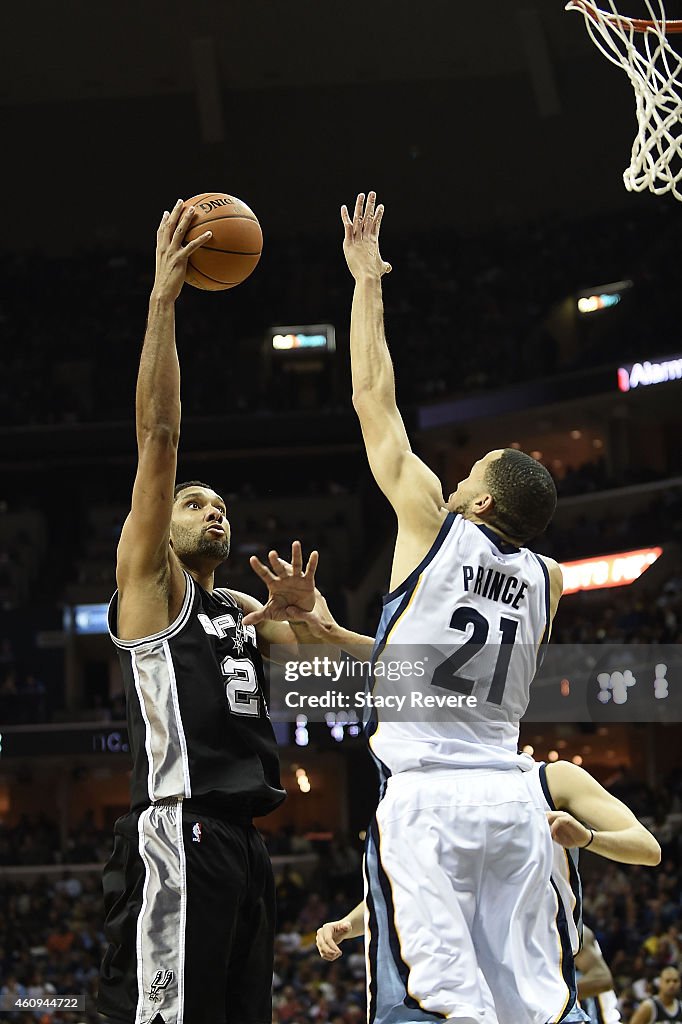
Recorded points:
(129, 48)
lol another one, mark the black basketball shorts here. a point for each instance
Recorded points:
(190, 916)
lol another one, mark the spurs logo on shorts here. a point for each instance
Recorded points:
(162, 979)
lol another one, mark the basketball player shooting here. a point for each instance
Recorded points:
(188, 890)
(459, 855)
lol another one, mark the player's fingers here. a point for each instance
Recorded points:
(254, 617)
(312, 565)
(296, 558)
(326, 941)
(357, 213)
(369, 207)
(196, 243)
(174, 217)
(162, 224)
(182, 226)
(386, 268)
(278, 565)
(261, 570)
(347, 224)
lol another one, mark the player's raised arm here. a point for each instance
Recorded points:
(588, 815)
(412, 488)
(143, 548)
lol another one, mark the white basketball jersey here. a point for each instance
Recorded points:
(459, 641)
(565, 876)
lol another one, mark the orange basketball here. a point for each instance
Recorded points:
(232, 253)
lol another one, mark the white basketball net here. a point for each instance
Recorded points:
(655, 72)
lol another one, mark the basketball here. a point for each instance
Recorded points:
(232, 253)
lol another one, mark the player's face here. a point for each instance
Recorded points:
(199, 525)
(669, 983)
(474, 487)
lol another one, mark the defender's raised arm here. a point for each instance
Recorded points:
(410, 486)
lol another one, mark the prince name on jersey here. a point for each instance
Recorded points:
(476, 610)
(197, 717)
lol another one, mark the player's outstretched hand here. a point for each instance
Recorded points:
(171, 254)
(287, 583)
(361, 238)
(566, 830)
(328, 937)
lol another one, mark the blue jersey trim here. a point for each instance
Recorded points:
(576, 885)
(502, 545)
(373, 936)
(381, 639)
(567, 964)
(545, 786)
(409, 583)
(393, 938)
(545, 635)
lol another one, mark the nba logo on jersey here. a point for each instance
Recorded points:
(196, 832)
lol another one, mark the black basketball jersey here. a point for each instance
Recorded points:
(671, 1016)
(198, 723)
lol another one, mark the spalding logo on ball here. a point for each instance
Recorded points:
(232, 253)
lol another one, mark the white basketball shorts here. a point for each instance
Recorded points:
(458, 877)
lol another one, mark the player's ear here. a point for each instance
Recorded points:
(483, 505)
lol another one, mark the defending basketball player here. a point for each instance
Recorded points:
(459, 856)
(570, 798)
(189, 892)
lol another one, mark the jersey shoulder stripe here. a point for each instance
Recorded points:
(544, 640)
(542, 775)
(410, 582)
(224, 594)
(165, 634)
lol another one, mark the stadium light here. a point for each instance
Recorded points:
(302, 337)
(604, 296)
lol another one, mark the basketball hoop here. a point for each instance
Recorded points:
(642, 49)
